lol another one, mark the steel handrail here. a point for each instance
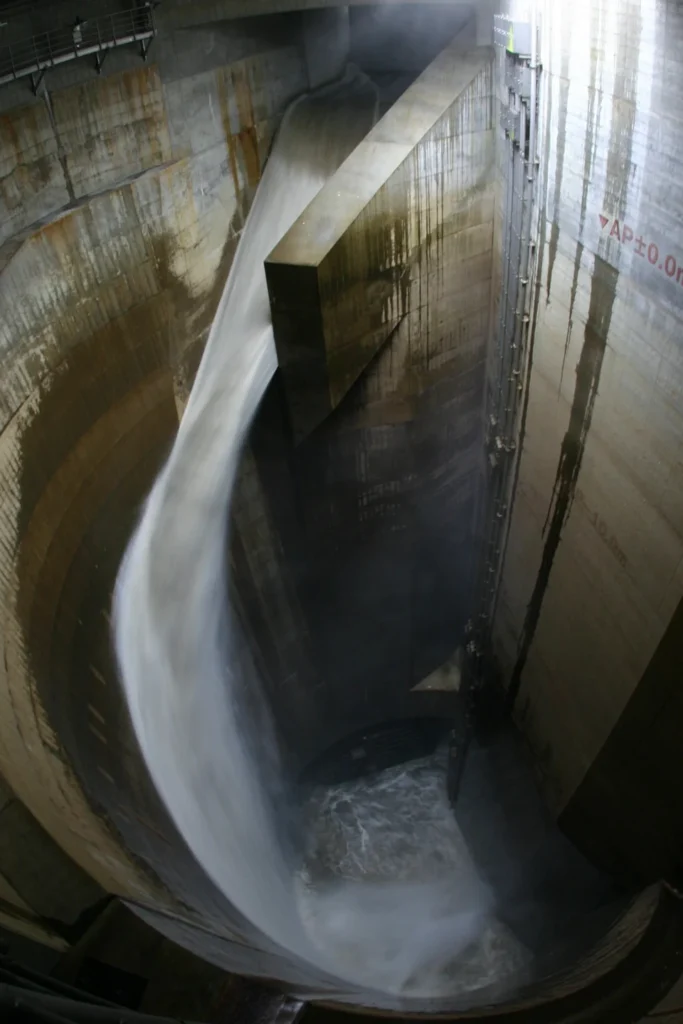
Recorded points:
(47, 49)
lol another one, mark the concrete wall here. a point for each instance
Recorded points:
(42, 892)
(106, 303)
(384, 285)
(593, 569)
(173, 166)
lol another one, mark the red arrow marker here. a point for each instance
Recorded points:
(603, 220)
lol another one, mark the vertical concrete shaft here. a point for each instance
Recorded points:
(326, 40)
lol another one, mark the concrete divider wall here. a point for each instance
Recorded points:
(348, 272)
(390, 266)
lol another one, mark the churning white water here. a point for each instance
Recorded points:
(387, 883)
(176, 641)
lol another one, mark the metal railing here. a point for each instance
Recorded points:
(95, 36)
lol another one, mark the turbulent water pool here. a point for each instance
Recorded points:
(387, 871)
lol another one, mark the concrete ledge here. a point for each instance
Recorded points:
(184, 13)
(341, 280)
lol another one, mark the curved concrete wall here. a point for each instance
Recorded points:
(588, 620)
(125, 195)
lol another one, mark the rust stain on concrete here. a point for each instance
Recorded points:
(235, 98)
(239, 80)
(243, 151)
(126, 127)
(223, 98)
(29, 161)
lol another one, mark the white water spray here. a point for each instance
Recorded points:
(176, 644)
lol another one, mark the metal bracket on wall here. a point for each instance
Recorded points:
(37, 81)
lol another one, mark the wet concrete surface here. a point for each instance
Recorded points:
(81, 449)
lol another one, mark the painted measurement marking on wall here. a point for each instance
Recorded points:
(647, 250)
(603, 531)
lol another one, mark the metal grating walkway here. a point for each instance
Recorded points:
(96, 36)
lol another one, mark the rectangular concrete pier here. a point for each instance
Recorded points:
(358, 260)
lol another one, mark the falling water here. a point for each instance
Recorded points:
(176, 642)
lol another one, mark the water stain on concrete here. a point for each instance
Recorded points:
(602, 298)
(603, 294)
(593, 120)
(244, 155)
(563, 109)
